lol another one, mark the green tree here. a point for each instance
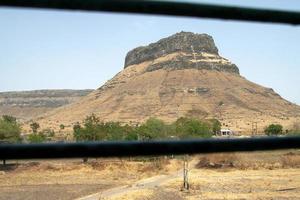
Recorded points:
(91, 130)
(192, 128)
(114, 131)
(10, 130)
(77, 132)
(131, 136)
(152, 129)
(273, 129)
(34, 127)
(130, 132)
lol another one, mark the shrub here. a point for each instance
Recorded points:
(37, 138)
(273, 129)
(62, 127)
(9, 119)
(34, 127)
(9, 129)
(215, 125)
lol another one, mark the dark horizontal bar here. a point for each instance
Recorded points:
(171, 8)
(138, 148)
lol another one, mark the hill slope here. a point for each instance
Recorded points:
(182, 75)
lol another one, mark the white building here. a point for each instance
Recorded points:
(225, 132)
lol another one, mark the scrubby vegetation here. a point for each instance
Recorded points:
(34, 127)
(93, 129)
(36, 138)
(42, 136)
(273, 129)
(9, 129)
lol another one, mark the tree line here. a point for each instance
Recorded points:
(92, 128)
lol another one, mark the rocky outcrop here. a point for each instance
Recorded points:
(194, 62)
(184, 42)
(194, 51)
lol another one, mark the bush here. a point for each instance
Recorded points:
(191, 128)
(9, 119)
(215, 125)
(273, 129)
(34, 127)
(37, 138)
(62, 127)
(9, 129)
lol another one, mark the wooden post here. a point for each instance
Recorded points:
(185, 173)
(254, 128)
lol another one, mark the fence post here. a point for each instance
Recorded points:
(185, 173)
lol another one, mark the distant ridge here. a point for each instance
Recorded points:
(26, 105)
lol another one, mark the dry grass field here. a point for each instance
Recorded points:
(259, 175)
(69, 179)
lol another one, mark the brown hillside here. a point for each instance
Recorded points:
(181, 75)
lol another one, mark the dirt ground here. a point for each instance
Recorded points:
(260, 175)
(241, 184)
(69, 179)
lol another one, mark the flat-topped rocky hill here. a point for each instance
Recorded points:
(181, 75)
(26, 105)
(195, 51)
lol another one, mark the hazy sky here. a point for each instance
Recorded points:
(56, 49)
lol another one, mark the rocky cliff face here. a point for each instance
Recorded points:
(180, 76)
(28, 104)
(196, 51)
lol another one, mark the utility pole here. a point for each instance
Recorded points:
(254, 128)
(186, 185)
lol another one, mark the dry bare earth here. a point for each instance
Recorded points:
(264, 175)
(69, 179)
(217, 176)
